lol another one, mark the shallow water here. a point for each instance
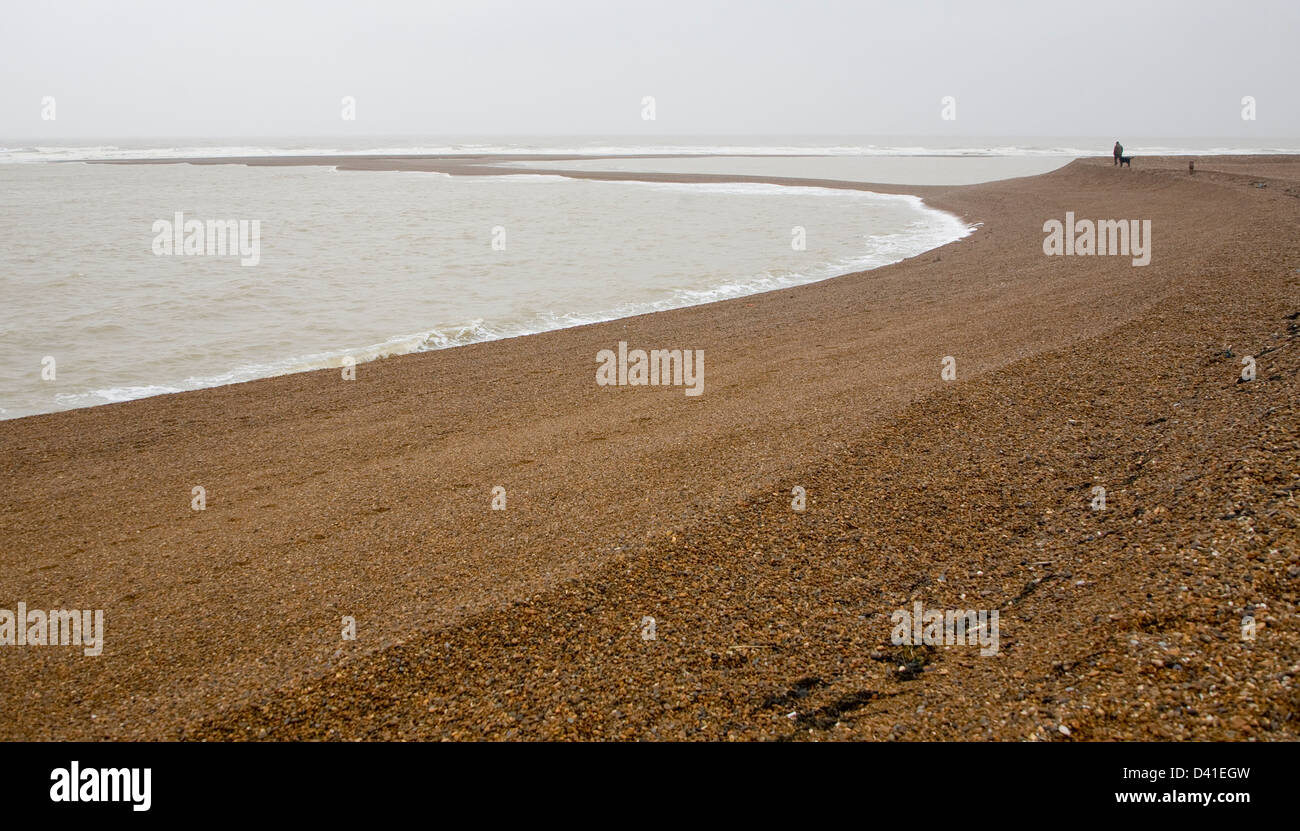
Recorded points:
(367, 264)
(885, 170)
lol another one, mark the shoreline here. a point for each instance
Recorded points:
(372, 499)
(456, 166)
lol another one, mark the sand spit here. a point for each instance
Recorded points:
(372, 499)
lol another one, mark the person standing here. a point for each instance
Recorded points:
(1119, 151)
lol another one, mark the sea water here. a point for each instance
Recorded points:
(362, 265)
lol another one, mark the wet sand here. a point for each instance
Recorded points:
(372, 498)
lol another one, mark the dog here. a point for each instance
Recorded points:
(1125, 160)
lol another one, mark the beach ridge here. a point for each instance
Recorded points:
(372, 499)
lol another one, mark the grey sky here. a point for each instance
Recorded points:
(269, 68)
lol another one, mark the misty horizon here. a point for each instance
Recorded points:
(155, 70)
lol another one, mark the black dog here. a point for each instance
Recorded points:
(1125, 160)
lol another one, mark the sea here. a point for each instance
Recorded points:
(100, 305)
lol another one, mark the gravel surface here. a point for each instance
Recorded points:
(372, 499)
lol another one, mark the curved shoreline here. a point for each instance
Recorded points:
(372, 499)
(414, 342)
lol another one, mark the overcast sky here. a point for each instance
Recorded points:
(758, 67)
